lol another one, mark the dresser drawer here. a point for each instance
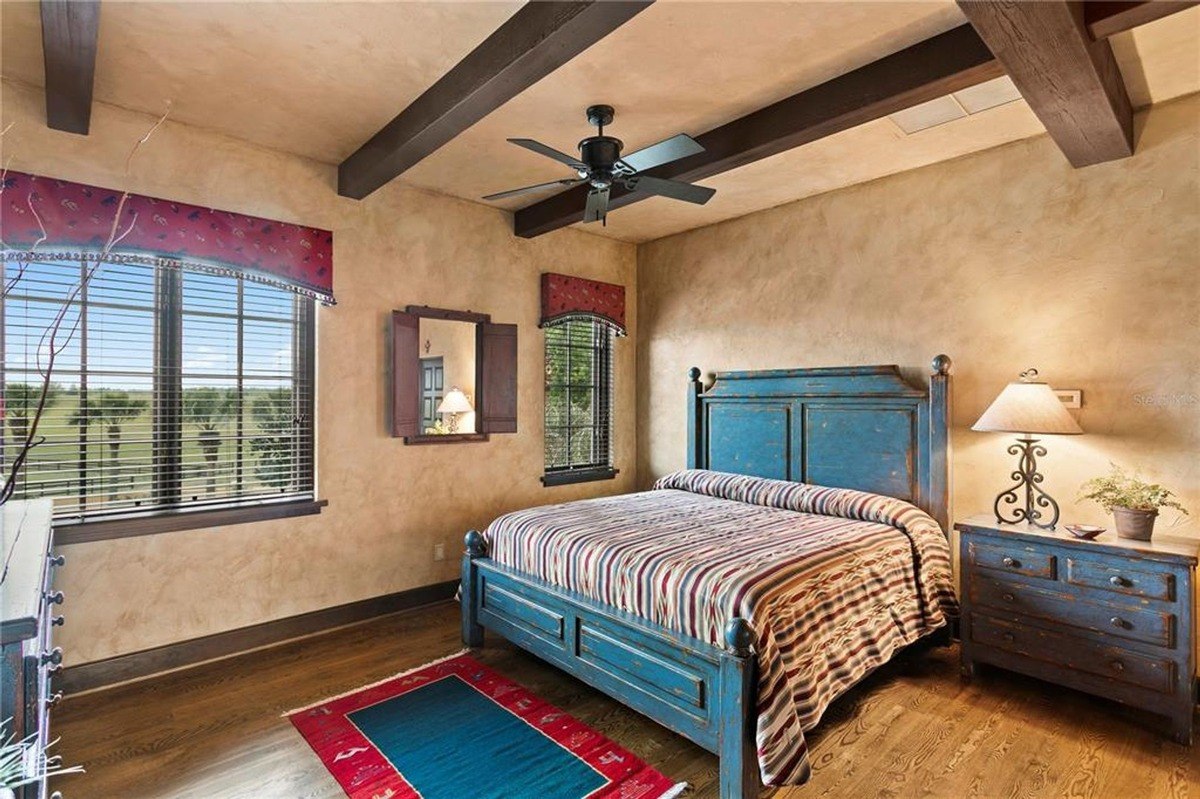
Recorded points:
(1157, 674)
(1012, 559)
(1120, 578)
(1015, 600)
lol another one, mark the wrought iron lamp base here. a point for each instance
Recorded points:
(1028, 481)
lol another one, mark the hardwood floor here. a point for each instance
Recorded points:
(910, 730)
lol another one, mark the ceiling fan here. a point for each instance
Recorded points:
(601, 164)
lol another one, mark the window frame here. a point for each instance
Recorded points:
(602, 386)
(170, 512)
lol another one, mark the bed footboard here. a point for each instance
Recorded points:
(703, 692)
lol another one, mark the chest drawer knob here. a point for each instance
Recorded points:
(1117, 621)
(1011, 563)
(1118, 665)
(58, 621)
(1008, 597)
(54, 656)
(1009, 637)
(1118, 581)
(50, 672)
(58, 560)
(54, 699)
(55, 598)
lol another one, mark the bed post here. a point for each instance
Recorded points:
(694, 438)
(939, 443)
(472, 630)
(738, 750)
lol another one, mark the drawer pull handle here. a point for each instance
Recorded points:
(50, 672)
(58, 621)
(1008, 597)
(1009, 637)
(54, 656)
(57, 560)
(1010, 563)
(51, 701)
(1118, 581)
(1118, 665)
(1117, 621)
(56, 598)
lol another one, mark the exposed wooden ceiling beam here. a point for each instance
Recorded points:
(935, 67)
(70, 31)
(535, 41)
(1070, 81)
(1106, 19)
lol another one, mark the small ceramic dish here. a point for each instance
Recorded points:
(1085, 531)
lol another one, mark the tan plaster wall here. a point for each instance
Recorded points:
(388, 503)
(1003, 259)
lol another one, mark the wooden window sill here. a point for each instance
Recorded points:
(569, 476)
(172, 521)
(445, 438)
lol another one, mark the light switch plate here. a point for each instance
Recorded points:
(1071, 397)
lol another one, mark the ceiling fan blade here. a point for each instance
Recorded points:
(597, 205)
(675, 189)
(664, 152)
(549, 152)
(539, 187)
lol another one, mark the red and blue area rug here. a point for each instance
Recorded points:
(456, 729)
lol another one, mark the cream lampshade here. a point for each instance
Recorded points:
(1027, 407)
(454, 403)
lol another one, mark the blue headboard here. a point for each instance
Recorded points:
(862, 427)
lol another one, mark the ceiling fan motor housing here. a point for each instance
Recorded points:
(600, 153)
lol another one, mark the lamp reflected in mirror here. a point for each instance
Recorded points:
(452, 408)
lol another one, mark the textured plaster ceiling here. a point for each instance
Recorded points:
(317, 79)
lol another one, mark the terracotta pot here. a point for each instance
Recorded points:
(1134, 524)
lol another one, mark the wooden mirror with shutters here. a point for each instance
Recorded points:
(495, 377)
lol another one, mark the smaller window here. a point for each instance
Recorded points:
(579, 379)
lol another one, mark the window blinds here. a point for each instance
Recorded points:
(579, 379)
(178, 390)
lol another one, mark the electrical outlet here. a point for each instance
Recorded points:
(439, 551)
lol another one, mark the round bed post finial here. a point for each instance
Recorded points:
(942, 364)
(694, 374)
(476, 547)
(739, 636)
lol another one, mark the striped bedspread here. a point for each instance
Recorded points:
(833, 581)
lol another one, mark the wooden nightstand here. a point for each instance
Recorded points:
(1112, 617)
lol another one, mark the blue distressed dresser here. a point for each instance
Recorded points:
(1111, 617)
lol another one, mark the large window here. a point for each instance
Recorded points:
(179, 390)
(579, 385)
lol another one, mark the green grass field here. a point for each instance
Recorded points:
(124, 475)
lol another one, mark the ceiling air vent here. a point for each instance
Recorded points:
(956, 106)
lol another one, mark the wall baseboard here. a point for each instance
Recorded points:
(148, 662)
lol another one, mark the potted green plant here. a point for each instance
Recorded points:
(24, 762)
(1133, 502)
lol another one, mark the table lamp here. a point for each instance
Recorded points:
(1030, 408)
(455, 403)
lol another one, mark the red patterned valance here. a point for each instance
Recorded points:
(78, 216)
(565, 297)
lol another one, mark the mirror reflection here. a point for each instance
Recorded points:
(447, 377)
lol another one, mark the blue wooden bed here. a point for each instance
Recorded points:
(860, 427)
